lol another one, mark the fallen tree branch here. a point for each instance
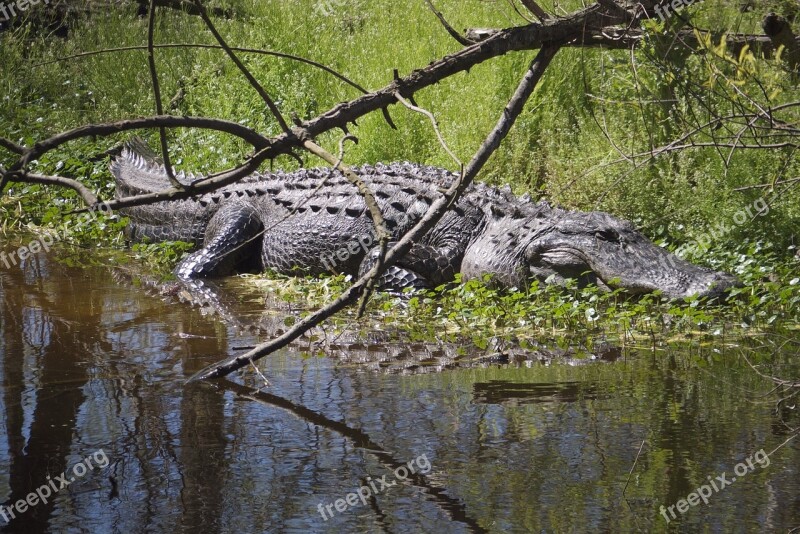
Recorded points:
(249, 135)
(244, 70)
(88, 197)
(151, 63)
(207, 184)
(532, 36)
(434, 213)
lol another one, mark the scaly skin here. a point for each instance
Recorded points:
(314, 221)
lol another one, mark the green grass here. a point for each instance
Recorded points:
(557, 149)
(566, 316)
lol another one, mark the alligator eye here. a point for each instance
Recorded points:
(606, 235)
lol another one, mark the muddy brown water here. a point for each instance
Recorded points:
(93, 394)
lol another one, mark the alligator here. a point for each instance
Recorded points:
(314, 221)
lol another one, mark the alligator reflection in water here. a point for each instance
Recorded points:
(88, 363)
(504, 391)
(374, 349)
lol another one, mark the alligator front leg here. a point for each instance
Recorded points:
(423, 267)
(233, 237)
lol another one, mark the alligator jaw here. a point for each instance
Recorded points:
(597, 247)
(652, 268)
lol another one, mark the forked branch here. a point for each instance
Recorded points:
(434, 213)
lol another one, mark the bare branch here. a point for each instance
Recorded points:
(435, 124)
(537, 11)
(88, 197)
(434, 213)
(453, 33)
(151, 63)
(247, 134)
(209, 183)
(247, 74)
(768, 186)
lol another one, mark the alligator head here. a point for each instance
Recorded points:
(536, 241)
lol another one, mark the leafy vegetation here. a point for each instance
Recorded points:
(594, 107)
(568, 316)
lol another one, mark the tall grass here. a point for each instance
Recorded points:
(591, 106)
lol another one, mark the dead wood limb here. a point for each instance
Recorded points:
(579, 27)
(576, 28)
(453, 33)
(162, 131)
(249, 135)
(532, 36)
(244, 70)
(434, 213)
(88, 197)
(260, 143)
(209, 183)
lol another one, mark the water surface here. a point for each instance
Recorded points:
(93, 368)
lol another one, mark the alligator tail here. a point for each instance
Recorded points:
(138, 170)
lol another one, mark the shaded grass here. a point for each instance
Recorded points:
(586, 98)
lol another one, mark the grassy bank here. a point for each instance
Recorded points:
(591, 107)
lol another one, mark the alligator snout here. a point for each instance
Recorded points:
(718, 286)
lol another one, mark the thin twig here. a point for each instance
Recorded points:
(453, 33)
(435, 124)
(249, 135)
(633, 467)
(151, 63)
(767, 186)
(374, 211)
(537, 11)
(211, 47)
(432, 216)
(247, 74)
